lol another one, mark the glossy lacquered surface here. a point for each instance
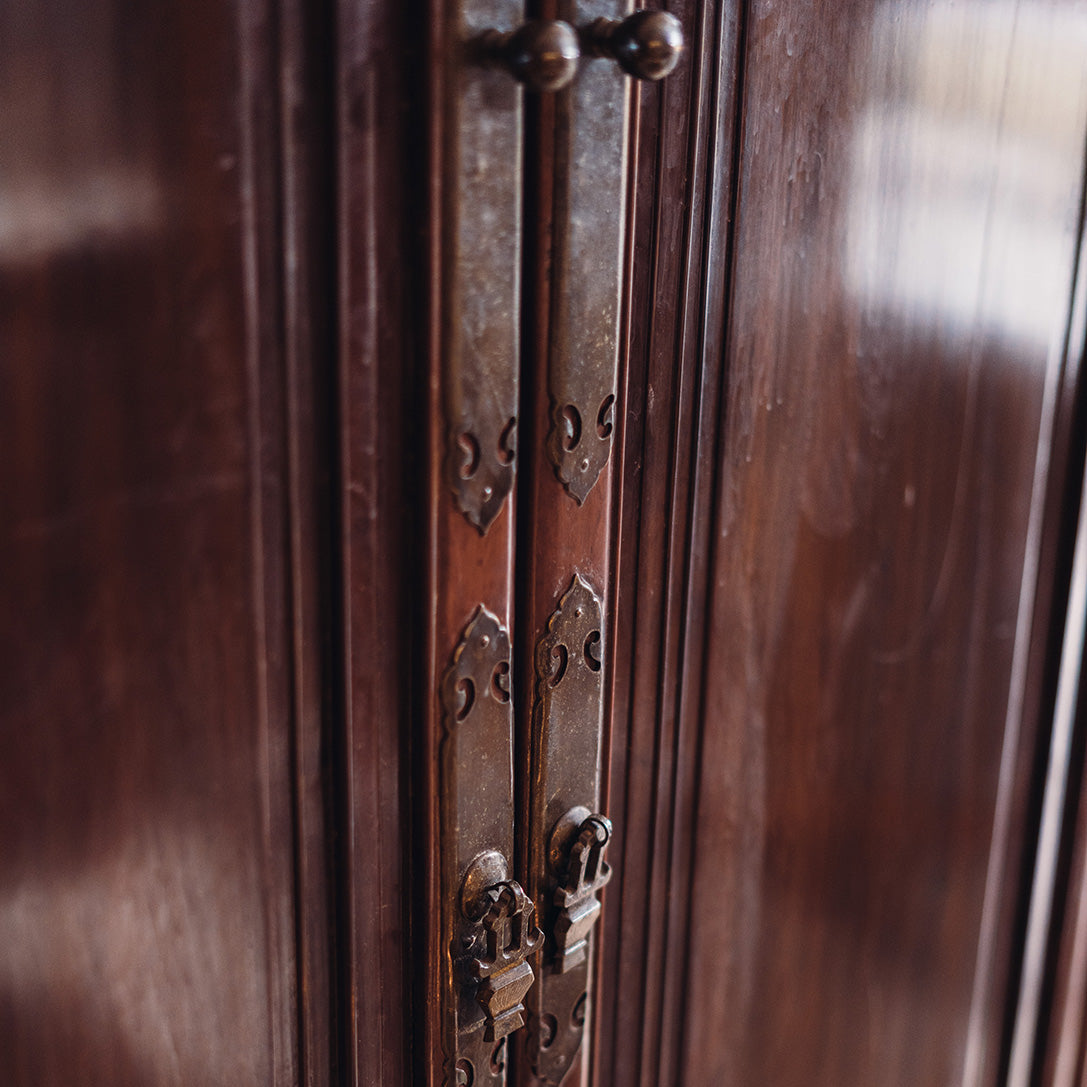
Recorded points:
(147, 890)
(825, 733)
(829, 540)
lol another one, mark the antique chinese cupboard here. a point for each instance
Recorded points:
(487, 540)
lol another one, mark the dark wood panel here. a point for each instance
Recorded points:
(146, 871)
(1049, 1039)
(1045, 967)
(307, 200)
(901, 285)
(414, 568)
(381, 194)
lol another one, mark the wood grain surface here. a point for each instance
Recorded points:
(834, 775)
(381, 415)
(147, 909)
(557, 536)
(834, 534)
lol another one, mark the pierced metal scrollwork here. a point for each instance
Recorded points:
(488, 920)
(580, 448)
(567, 839)
(481, 464)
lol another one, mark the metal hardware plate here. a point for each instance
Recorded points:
(588, 231)
(566, 840)
(482, 265)
(488, 921)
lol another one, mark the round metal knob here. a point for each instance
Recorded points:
(542, 54)
(647, 44)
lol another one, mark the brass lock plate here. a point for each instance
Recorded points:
(488, 921)
(481, 264)
(566, 840)
(589, 218)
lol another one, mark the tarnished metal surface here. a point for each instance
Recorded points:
(481, 265)
(566, 840)
(589, 218)
(582, 873)
(486, 926)
(646, 45)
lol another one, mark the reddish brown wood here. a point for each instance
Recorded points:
(381, 415)
(147, 923)
(234, 571)
(556, 536)
(1042, 967)
(461, 567)
(308, 343)
(1061, 1055)
(1047, 1036)
(876, 534)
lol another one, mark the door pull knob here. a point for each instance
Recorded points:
(646, 45)
(542, 54)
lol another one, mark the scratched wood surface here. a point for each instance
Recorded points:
(147, 909)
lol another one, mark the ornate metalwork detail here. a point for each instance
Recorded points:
(488, 921)
(479, 670)
(587, 259)
(503, 970)
(647, 44)
(542, 54)
(482, 480)
(567, 840)
(571, 653)
(586, 873)
(497, 934)
(481, 265)
(579, 451)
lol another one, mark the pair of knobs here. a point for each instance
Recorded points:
(544, 54)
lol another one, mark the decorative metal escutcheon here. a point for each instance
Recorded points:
(587, 260)
(481, 260)
(589, 217)
(488, 921)
(567, 836)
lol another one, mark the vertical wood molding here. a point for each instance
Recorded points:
(307, 157)
(147, 921)
(259, 167)
(683, 164)
(1045, 1037)
(382, 410)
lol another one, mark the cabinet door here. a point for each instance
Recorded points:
(842, 448)
(153, 647)
(846, 451)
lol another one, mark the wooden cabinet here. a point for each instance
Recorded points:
(835, 543)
